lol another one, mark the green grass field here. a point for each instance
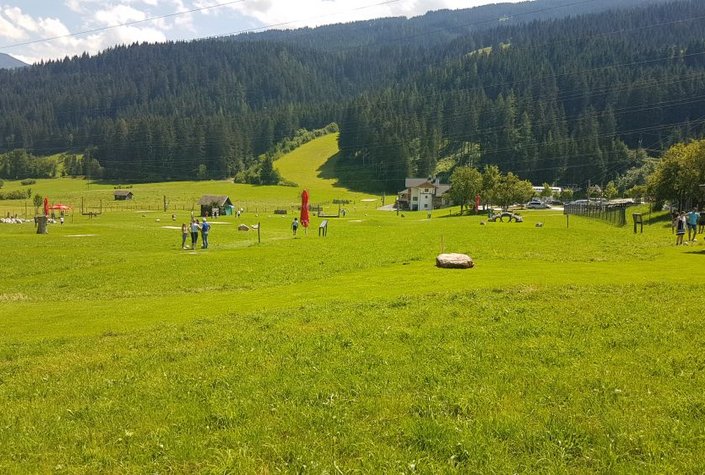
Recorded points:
(304, 167)
(575, 349)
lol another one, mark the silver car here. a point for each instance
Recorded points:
(536, 204)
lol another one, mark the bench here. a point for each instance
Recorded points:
(280, 211)
(323, 228)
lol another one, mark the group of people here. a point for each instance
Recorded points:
(193, 229)
(690, 221)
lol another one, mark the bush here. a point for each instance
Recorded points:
(13, 195)
(240, 177)
(28, 181)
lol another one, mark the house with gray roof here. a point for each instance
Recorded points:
(209, 203)
(122, 195)
(423, 194)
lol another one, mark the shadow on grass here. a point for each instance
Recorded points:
(455, 214)
(349, 176)
(701, 252)
(656, 217)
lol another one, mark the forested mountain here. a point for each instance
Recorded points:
(436, 28)
(557, 100)
(8, 62)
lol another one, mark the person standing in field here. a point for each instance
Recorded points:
(701, 222)
(184, 235)
(693, 218)
(194, 233)
(205, 228)
(295, 225)
(680, 228)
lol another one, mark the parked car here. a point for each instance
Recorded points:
(536, 204)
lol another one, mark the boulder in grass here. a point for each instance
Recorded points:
(454, 261)
(243, 227)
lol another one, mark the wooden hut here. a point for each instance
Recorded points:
(122, 195)
(209, 203)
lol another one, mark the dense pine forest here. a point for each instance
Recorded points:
(558, 100)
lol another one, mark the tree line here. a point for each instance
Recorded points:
(491, 185)
(679, 177)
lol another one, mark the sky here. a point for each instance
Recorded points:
(35, 30)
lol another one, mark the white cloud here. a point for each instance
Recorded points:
(131, 34)
(51, 27)
(25, 22)
(74, 5)
(16, 25)
(91, 44)
(88, 6)
(119, 15)
(10, 31)
(301, 13)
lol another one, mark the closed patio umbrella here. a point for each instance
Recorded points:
(303, 218)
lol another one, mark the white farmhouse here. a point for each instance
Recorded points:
(423, 194)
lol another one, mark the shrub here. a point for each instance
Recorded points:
(13, 195)
(28, 181)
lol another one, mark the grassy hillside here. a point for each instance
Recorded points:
(302, 166)
(565, 349)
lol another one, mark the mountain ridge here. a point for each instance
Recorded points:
(8, 62)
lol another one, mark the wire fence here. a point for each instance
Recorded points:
(26, 209)
(614, 214)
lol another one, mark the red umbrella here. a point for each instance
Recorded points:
(304, 209)
(477, 203)
(46, 206)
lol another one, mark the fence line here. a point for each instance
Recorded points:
(26, 209)
(615, 214)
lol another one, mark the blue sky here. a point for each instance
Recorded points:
(34, 30)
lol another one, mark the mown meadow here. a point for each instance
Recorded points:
(566, 349)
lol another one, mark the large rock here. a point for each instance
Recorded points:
(243, 227)
(454, 261)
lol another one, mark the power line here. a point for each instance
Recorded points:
(185, 12)
(129, 23)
